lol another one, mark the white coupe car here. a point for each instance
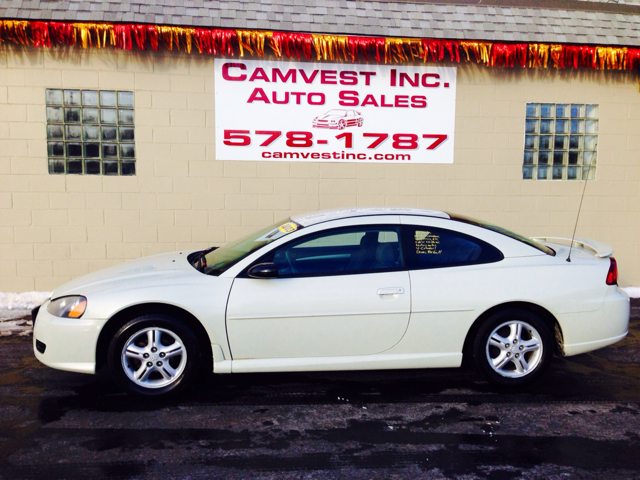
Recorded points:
(350, 289)
(338, 118)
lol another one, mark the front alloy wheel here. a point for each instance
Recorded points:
(153, 355)
(513, 347)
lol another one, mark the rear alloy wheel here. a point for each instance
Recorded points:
(513, 347)
(153, 355)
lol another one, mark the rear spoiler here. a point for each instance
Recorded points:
(601, 249)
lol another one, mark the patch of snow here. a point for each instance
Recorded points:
(22, 301)
(15, 327)
(14, 314)
(633, 292)
(15, 311)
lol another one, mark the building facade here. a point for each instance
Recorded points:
(110, 153)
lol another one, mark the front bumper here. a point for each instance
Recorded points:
(70, 343)
(334, 126)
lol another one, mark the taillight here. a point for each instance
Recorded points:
(612, 274)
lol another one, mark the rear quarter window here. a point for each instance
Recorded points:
(428, 247)
(504, 231)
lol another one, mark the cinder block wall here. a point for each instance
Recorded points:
(56, 227)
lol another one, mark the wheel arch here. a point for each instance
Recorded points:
(123, 316)
(545, 315)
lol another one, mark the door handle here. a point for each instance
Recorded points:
(390, 291)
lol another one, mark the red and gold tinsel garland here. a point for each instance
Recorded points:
(225, 42)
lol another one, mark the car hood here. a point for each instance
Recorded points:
(140, 270)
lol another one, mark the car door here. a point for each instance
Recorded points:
(339, 292)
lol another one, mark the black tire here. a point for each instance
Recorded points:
(513, 363)
(167, 369)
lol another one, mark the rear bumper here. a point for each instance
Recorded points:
(70, 343)
(587, 331)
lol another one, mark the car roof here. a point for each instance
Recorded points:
(312, 218)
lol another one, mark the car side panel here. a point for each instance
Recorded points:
(447, 301)
(203, 296)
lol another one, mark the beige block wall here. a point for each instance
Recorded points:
(56, 227)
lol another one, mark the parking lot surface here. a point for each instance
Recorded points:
(580, 421)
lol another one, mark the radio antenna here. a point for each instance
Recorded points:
(577, 218)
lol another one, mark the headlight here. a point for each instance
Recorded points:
(68, 307)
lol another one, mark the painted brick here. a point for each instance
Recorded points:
(75, 78)
(192, 218)
(174, 234)
(133, 234)
(49, 217)
(188, 118)
(16, 251)
(68, 234)
(185, 83)
(174, 201)
(152, 82)
(51, 251)
(67, 200)
(32, 234)
(111, 80)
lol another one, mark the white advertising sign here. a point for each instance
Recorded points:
(326, 112)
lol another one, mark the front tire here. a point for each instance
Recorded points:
(513, 347)
(154, 355)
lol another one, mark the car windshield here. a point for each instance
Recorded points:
(342, 113)
(220, 259)
(504, 231)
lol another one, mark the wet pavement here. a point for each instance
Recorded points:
(580, 421)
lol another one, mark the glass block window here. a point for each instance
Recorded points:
(90, 132)
(560, 141)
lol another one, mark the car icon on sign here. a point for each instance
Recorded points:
(338, 119)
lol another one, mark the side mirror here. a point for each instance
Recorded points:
(263, 270)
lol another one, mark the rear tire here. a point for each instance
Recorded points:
(154, 355)
(513, 347)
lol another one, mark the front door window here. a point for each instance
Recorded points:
(340, 252)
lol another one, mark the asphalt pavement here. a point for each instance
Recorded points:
(580, 421)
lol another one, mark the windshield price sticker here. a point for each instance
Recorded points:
(276, 233)
(287, 111)
(288, 227)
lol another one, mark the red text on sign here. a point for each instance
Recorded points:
(351, 98)
(301, 139)
(234, 72)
